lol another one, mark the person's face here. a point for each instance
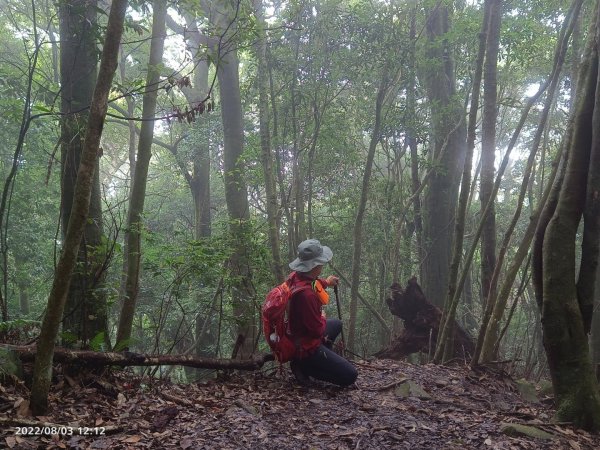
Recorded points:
(316, 271)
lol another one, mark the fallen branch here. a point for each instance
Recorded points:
(27, 354)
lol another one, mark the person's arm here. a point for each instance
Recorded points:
(331, 280)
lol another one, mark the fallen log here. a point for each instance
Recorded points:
(26, 353)
(421, 325)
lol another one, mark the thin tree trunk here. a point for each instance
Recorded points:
(384, 86)
(510, 274)
(23, 281)
(412, 139)
(138, 189)
(265, 142)
(495, 305)
(451, 307)
(42, 371)
(199, 184)
(463, 201)
(488, 143)
(299, 225)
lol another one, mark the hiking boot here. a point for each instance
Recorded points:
(301, 377)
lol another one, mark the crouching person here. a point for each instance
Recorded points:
(312, 334)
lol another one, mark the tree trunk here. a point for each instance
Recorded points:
(199, 179)
(22, 277)
(360, 210)
(126, 359)
(488, 143)
(298, 232)
(236, 193)
(42, 371)
(138, 189)
(563, 315)
(85, 313)
(265, 144)
(595, 335)
(412, 139)
(449, 137)
(495, 305)
(461, 213)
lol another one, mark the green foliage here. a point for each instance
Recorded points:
(97, 344)
(326, 61)
(19, 331)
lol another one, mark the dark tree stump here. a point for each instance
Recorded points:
(421, 325)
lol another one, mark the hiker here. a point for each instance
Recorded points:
(313, 334)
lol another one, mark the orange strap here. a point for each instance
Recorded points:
(321, 292)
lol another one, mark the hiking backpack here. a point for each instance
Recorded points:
(275, 319)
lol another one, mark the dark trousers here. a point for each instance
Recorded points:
(325, 364)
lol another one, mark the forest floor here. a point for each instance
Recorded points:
(394, 405)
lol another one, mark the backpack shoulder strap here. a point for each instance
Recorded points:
(300, 286)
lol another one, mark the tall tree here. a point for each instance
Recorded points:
(386, 85)
(496, 303)
(567, 303)
(224, 18)
(138, 189)
(461, 212)
(265, 141)
(448, 137)
(488, 143)
(42, 370)
(85, 312)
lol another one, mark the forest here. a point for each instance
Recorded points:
(162, 161)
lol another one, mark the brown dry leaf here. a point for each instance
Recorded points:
(10, 441)
(132, 439)
(574, 445)
(23, 409)
(121, 399)
(186, 443)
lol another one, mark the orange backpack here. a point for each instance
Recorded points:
(275, 319)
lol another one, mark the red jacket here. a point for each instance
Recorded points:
(307, 325)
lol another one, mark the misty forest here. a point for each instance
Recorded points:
(161, 162)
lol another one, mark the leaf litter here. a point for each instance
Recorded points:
(394, 405)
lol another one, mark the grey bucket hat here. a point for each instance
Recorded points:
(311, 254)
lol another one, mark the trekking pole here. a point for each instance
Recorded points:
(339, 308)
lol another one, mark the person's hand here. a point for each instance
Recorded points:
(323, 314)
(332, 280)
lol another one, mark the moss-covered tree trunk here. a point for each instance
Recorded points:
(85, 312)
(448, 136)
(564, 315)
(42, 371)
